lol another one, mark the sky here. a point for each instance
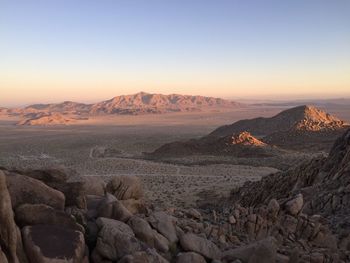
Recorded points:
(84, 50)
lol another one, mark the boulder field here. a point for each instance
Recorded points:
(301, 215)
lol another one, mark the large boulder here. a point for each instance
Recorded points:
(295, 205)
(135, 206)
(94, 185)
(28, 215)
(8, 234)
(200, 245)
(53, 244)
(125, 187)
(112, 208)
(263, 251)
(27, 190)
(115, 239)
(49, 175)
(65, 181)
(146, 234)
(164, 224)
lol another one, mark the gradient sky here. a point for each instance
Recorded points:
(55, 50)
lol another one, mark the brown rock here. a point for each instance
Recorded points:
(26, 190)
(28, 215)
(115, 239)
(164, 224)
(46, 244)
(8, 234)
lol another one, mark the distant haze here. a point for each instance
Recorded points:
(87, 51)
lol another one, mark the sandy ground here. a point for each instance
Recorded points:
(165, 184)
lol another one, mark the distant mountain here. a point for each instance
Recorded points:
(143, 103)
(47, 119)
(306, 118)
(139, 103)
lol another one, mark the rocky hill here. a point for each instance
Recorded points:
(301, 118)
(238, 145)
(139, 103)
(47, 119)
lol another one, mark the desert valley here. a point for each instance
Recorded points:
(195, 159)
(174, 131)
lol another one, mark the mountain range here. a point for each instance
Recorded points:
(139, 103)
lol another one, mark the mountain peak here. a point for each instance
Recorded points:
(245, 138)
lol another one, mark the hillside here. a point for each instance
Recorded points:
(237, 145)
(302, 118)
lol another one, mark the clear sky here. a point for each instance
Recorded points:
(55, 50)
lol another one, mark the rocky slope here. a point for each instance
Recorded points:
(301, 118)
(301, 215)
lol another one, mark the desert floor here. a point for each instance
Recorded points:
(166, 184)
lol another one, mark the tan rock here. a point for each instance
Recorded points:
(295, 205)
(192, 242)
(125, 187)
(114, 209)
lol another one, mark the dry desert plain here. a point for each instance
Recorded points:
(166, 184)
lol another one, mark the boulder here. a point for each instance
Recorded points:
(112, 208)
(149, 256)
(125, 187)
(39, 214)
(192, 242)
(46, 244)
(164, 224)
(294, 205)
(27, 190)
(146, 234)
(115, 239)
(8, 234)
(48, 175)
(273, 207)
(135, 206)
(190, 257)
(263, 251)
(74, 193)
(94, 185)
